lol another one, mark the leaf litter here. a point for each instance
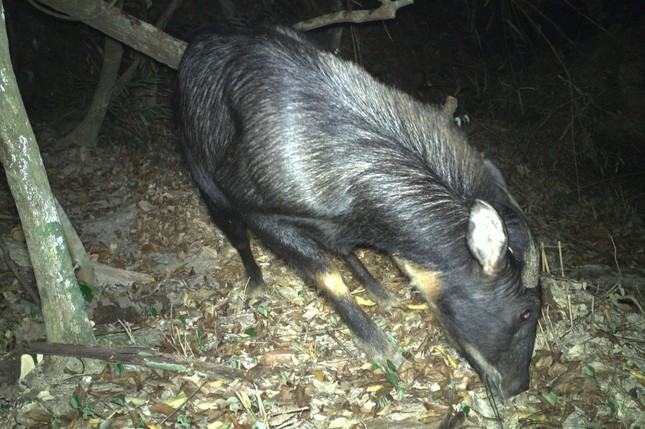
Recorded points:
(301, 367)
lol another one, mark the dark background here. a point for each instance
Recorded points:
(554, 90)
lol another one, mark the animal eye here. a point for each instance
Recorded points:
(526, 315)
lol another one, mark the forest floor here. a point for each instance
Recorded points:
(137, 209)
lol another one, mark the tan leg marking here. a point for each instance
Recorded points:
(428, 283)
(333, 284)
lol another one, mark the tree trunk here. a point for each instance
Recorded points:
(86, 134)
(63, 307)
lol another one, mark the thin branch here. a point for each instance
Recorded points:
(387, 10)
(16, 273)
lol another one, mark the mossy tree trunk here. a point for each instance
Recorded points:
(63, 307)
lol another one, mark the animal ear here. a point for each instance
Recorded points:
(487, 239)
(531, 270)
(499, 179)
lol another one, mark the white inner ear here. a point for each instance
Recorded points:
(487, 238)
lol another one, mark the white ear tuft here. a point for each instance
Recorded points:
(487, 238)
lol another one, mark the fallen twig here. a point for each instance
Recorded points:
(142, 356)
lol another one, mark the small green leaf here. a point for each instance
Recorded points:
(613, 299)
(297, 347)
(284, 376)
(390, 365)
(88, 412)
(269, 402)
(183, 421)
(86, 291)
(199, 336)
(613, 406)
(120, 368)
(75, 402)
(120, 401)
(466, 409)
(251, 332)
(551, 397)
(54, 422)
(590, 371)
(400, 393)
(392, 378)
(154, 311)
(382, 401)
(390, 372)
(263, 310)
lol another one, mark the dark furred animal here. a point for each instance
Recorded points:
(313, 155)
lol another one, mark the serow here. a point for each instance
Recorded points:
(314, 156)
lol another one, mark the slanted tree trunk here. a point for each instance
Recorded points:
(112, 21)
(161, 23)
(63, 307)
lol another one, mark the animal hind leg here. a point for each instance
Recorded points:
(374, 288)
(305, 255)
(236, 232)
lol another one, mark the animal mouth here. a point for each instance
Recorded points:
(490, 376)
